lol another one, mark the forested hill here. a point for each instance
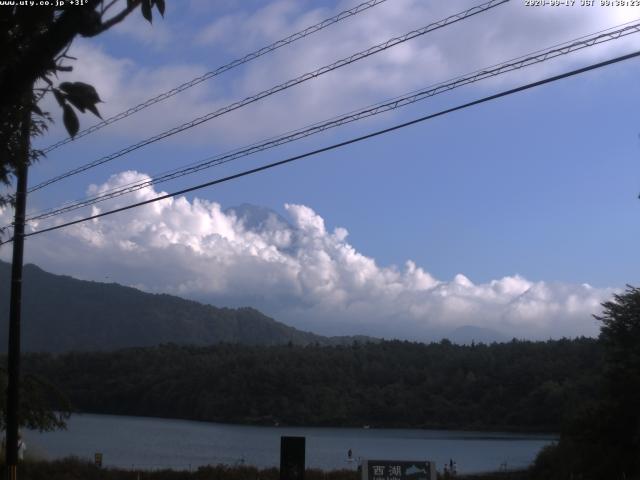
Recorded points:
(515, 386)
(61, 314)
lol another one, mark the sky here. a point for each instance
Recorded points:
(519, 215)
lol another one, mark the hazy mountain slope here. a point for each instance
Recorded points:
(61, 313)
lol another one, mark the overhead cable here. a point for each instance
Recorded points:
(283, 86)
(338, 145)
(222, 69)
(398, 102)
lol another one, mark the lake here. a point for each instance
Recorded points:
(153, 443)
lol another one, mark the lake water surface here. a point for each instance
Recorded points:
(152, 443)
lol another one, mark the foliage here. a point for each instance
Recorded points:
(516, 386)
(34, 41)
(620, 336)
(42, 407)
(603, 439)
(508, 475)
(74, 468)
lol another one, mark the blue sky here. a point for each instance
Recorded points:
(537, 190)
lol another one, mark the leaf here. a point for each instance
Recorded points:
(70, 120)
(92, 108)
(66, 86)
(60, 97)
(82, 96)
(81, 90)
(160, 5)
(36, 110)
(146, 10)
(89, 23)
(76, 103)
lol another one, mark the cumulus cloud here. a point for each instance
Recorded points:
(299, 271)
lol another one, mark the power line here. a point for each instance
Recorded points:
(341, 144)
(222, 69)
(278, 88)
(398, 102)
(607, 31)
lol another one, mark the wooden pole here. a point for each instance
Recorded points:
(15, 307)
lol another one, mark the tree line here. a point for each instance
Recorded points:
(520, 385)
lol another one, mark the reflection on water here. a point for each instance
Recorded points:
(151, 443)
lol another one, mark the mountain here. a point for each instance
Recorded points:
(255, 217)
(61, 313)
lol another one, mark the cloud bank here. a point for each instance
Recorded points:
(298, 271)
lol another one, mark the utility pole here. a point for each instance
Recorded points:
(13, 386)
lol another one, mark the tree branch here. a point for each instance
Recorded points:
(35, 61)
(116, 18)
(104, 9)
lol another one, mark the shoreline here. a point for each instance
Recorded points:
(73, 468)
(543, 434)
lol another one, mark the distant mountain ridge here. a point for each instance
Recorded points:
(61, 313)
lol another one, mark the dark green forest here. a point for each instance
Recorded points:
(521, 385)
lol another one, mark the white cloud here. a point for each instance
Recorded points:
(299, 272)
(123, 83)
(157, 35)
(239, 32)
(501, 34)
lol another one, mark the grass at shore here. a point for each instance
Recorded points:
(78, 469)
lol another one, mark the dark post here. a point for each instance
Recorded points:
(13, 386)
(292, 453)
